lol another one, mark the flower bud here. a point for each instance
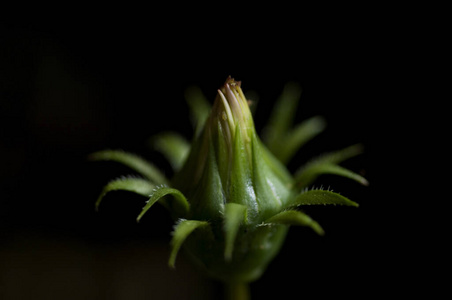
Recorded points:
(229, 164)
(233, 201)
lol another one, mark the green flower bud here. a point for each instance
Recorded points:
(231, 197)
(229, 164)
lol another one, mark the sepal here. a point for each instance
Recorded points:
(234, 216)
(179, 206)
(297, 218)
(297, 137)
(199, 107)
(328, 164)
(321, 197)
(173, 146)
(282, 139)
(181, 231)
(282, 116)
(132, 161)
(136, 185)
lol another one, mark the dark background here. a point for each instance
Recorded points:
(71, 87)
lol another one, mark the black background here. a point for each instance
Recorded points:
(71, 87)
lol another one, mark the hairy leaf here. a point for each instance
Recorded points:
(181, 231)
(234, 215)
(321, 197)
(312, 171)
(327, 164)
(297, 137)
(137, 185)
(173, 146)
(180, 205)
(294, 217)
(282, 116)
(132, 161)
(199, 107)
(336, 157)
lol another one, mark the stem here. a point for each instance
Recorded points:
(237, 291)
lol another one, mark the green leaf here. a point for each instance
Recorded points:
(311, 172)
(181, 231)
(180, 206)
(294, 217)
(137, 185)
(132, 161)
(282, 116)
(234, 215)
(173, 146)
(199, 107)
(297, 137)
(336, 157)
(327, 164)
(321, 197)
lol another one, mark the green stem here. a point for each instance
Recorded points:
(237, 291)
